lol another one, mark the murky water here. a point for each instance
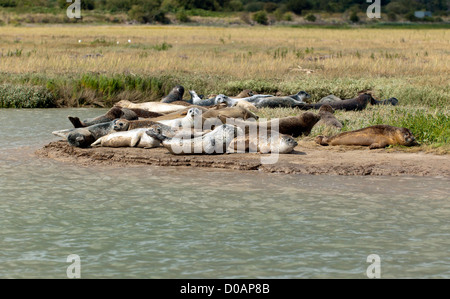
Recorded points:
(156, 222)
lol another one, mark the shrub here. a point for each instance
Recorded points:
(310, 18)
(261, 18)
(182, 16)
(23, 96)
(354, 17)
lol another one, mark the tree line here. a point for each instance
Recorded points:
(146, 11)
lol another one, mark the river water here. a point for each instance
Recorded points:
(163, 222)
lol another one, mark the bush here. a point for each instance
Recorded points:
(354, 17)
(23, 96)
(147, 13)
(288, 17)
(392, 16)
(411, 17)
(261, 18)
(310, 18)
(182, 16)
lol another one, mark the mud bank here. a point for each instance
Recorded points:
(307, 158)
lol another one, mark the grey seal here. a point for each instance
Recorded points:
(215, 142)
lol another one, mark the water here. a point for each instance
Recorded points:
(160, 222)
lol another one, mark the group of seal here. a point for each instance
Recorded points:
(221, 124)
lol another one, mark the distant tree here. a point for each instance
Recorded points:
(297, 6)
(254, 6)
(270, 7)
(235, 5)
(170, 5)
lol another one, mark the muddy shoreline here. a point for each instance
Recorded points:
(307, 158)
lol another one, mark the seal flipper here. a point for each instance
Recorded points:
(76, 122)
(157, 135)
(321, 140)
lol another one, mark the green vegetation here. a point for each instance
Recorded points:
(157, 11)
(23, 96)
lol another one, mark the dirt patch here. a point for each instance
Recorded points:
(308, 158)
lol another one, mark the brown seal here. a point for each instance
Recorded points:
(294, 126)
(244, 94)
(327, 118)
(378, 136)
(229, 112)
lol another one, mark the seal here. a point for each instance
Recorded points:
(330, 99)
(112, 114)
(246, 105)
(84, 137)
(294, 126)
(230, 112)
(356, 104)
(208, 102)
(272, 143)
(327, 118)
(276, 102)
(215, 142)
(176, 94)
(127, 125)
(192, 119)
(390, 101)
(133, 138)
(244, 94)
(158, 107)
(374, 137)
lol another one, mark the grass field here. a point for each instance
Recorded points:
(100, 65)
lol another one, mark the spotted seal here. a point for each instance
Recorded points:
(272, 143)
(84, 137)
(374, 137)
(133, 138)
(215, 142)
